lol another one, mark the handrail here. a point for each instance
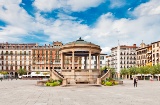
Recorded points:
(58, 74)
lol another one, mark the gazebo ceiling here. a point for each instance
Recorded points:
(79, 53)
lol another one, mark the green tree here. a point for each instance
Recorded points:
(124, 72)
(37, 72)
(113, 72)
(21, 71)
(4, 73)
(158, 70)
(103, 68)
(45, 73)
(153, 70)
(133, 71)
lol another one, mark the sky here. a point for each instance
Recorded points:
(102, 22)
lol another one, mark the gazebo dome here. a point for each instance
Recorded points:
(79, 41)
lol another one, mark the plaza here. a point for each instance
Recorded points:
(25, 92)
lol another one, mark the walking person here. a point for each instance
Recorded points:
(135, 81)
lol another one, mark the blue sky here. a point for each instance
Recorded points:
(102, 22)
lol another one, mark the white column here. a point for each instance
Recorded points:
(78, 63)
(61, 60)
(85, 60)
(90, 60)
(96, 61)
(73, 60)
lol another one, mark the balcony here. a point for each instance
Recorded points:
(39, 63)
(149, 52)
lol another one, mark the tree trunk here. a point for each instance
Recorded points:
(129, 76)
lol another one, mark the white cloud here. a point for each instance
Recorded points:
(106, 31)
(81, 5)
(47, 5)
(117, 3)
(105, 49)
(149, 8)
(71, 5)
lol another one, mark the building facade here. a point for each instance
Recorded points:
(45, 58)
(16, 56)
(108, 60)
(93, 61)
(155, 52)
(123, 56)
(144, 55)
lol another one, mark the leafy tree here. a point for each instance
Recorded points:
(45, 73)
(124, 72)
(113, 72)
(21, 71)
(37, 72)
(153, 70)
(133, 71)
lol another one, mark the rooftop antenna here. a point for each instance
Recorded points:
(118, 43)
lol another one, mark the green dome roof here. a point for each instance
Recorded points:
(79, 41)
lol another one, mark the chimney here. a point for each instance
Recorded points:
(134, 45)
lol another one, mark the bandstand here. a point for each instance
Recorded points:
(75, 71)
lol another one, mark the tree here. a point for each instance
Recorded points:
(4, 73)
(124, 72)
(153, 70)
(158, 70)
(37, 72)
(21, 71)
(133, 70)
(45, 73)
(103, 70)
(113, 72)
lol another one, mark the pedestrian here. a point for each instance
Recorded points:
(135, 80)
(151, 79)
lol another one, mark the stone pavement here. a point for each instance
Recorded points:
(25, 92)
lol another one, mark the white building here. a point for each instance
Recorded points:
(93, 61)
(15, 56)
(123, 56)
(108, 60)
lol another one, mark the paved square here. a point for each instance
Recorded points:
(25, 92)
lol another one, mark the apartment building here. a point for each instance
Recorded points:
(155, 52)
(45, 58)
(108, 60)
(123, 56)
(93, 61)
(144, 55)
(15, 56)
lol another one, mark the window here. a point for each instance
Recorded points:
(46, 67)
(92, 58)
(100, 62)
(101, 57)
